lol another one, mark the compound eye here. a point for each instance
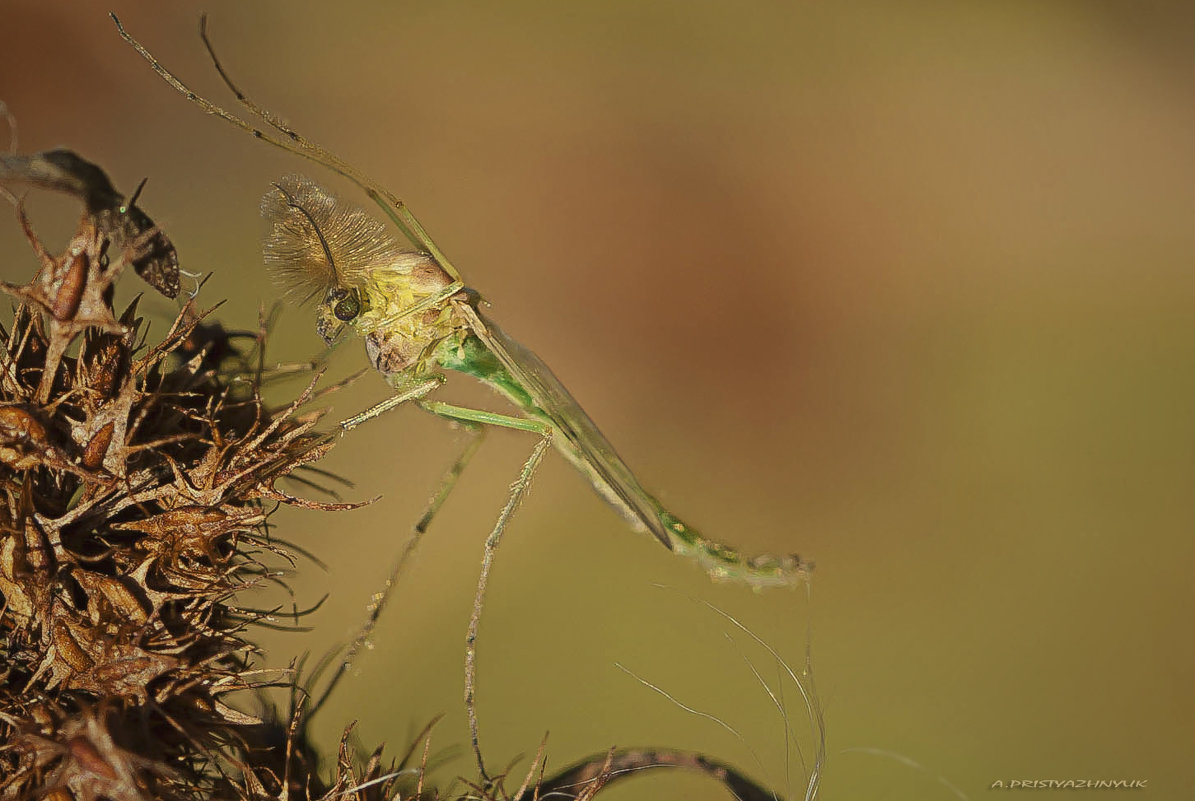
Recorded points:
(347, 308)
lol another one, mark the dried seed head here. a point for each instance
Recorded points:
(129, 476)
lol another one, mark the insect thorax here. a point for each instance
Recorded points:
(407, 349)
(400, 336)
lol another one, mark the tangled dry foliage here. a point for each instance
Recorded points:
(137, 482)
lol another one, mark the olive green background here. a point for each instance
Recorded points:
(907, 288)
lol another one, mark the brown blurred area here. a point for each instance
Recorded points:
(908, 290)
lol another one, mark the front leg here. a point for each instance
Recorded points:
(409, 394)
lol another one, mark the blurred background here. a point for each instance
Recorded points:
(907, 289)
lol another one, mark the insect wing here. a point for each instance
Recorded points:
(596, 455)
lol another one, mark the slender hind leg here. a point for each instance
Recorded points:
(381, 599)
(517, 491)
(474, 420)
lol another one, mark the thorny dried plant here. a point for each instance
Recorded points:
(137, 482)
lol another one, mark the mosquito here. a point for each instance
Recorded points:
(420, 322)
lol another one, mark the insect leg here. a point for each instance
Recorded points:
(476, 430)
(291, 141)
(413, 393)
(381, 599)
(465, 415)
(517, 491)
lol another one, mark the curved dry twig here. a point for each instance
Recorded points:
(589, 776)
